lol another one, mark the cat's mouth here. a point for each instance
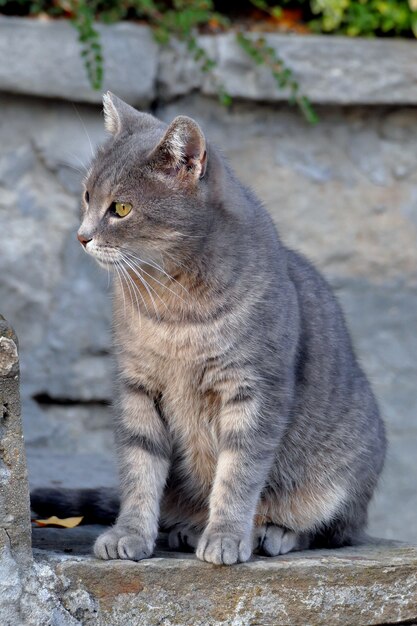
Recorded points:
(104, 255)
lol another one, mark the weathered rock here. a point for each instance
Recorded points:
(75, 353)
(52, 65)
(45, 277)
(373, 584)
(25, 599)
(15, 546)
(329, 69)
(14, 496)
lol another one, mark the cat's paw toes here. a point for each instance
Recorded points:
(118, 544)
(223, 548)
(274, 540)
(183, 536)
(105, 546)
(134, 547)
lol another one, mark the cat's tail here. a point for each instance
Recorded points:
(97, 506)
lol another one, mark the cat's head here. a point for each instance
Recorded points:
(146, 192)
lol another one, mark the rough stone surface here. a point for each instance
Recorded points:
(14, 502)
(51, 65)
(329, 69)
(14, 499)
(373, 584)
(343, 192)
(24, 600)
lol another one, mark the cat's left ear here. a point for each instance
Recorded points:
(182, 151)
(120, 116)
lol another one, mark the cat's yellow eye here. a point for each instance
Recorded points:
(122, 208)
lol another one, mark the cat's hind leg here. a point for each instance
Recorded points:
(184, 535)
(272, 540)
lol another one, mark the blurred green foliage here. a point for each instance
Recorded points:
(183, 18)
(365, 17)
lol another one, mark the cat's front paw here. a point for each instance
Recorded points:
(121, 544)
(224, 548)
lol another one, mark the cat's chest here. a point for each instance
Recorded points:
(165, 354)
(158, 351)
(170, 361)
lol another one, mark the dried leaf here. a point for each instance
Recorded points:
(69, 522)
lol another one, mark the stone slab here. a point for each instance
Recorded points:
(330, 69)
(42, 57)
(372, 584)
(14, 491)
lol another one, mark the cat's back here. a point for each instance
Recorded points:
(321, 317)
(330, 382)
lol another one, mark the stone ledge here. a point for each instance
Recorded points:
(43, 59)
(372, 584)
(330, 70)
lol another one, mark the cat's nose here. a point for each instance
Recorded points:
(83, 241)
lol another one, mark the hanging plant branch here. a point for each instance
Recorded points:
(262, 54)
(91, 50)
(207, 65)
(182, 24)
(177, 18)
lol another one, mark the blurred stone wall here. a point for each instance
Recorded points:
(343, 192)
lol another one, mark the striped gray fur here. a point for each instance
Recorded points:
(243, 418)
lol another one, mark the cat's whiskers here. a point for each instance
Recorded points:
(72, 167)
(125, 279)
(133, 290)
(131, 258)
(147, 286)
(155, 265)
(77, 158)
(176, 261)
(140, 269)
(85, 129)
(121, 286)
(178, 232)
(136, 291)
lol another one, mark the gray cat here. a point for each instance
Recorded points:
(243, 418)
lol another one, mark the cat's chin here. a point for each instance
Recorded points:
(103, 258)
(107, 265)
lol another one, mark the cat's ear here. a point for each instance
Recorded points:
(182, 150)
(120, 116)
